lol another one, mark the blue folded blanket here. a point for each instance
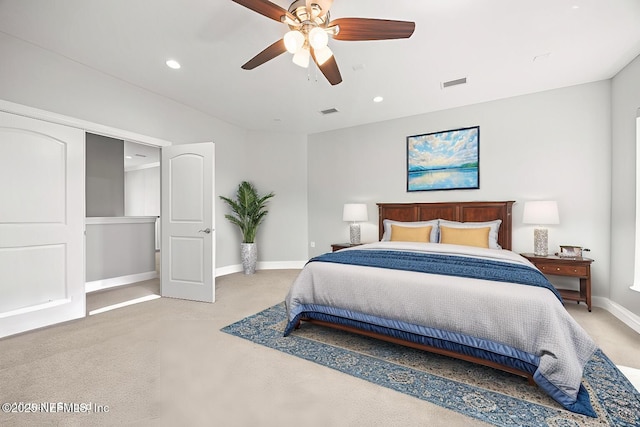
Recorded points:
(450, 265)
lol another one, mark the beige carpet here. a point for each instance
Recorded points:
(165, 362)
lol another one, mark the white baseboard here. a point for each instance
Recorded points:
(229, 269)
(281, 265)
(625, 316)
(222, 271)
(98, 285)
(275, 265)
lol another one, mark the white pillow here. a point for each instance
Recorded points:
(493, 225)
(386, 224)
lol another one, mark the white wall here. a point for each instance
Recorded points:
(37, 78)
(142, 195)
(625, 105)
(278, 162)
(142, 192)
(119, 247)
(104, 184)
(549, 145)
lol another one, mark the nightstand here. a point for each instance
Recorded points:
(579, 267)
(338, 246)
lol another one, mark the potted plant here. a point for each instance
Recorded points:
(248, 212)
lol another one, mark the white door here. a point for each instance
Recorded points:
(187, 216)
(41, 224)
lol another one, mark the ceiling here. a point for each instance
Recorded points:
(502, 47)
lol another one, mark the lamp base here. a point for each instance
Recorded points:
(541, 242)
(354, 234)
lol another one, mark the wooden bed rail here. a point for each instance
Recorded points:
(430, 349)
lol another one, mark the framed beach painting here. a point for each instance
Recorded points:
(448, 160)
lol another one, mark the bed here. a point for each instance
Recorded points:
(443, 278)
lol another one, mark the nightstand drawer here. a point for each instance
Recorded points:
(564, 270)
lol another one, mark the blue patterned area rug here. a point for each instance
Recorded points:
(479, 392)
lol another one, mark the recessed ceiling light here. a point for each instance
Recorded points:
(172, 63)
(378, 99)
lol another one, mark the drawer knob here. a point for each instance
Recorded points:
(557, 268)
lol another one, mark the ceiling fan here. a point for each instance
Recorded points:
(309, 31)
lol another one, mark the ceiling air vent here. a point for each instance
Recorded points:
(454, 82)
(328, 111)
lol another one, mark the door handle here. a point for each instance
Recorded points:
(206, 230)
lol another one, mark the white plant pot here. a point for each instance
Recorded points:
(249, 254)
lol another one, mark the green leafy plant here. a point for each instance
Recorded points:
(249, 210)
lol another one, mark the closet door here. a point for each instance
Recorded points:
(42, 184)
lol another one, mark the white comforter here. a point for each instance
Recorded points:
(526, 318)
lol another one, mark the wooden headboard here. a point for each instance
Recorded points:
(452, 211)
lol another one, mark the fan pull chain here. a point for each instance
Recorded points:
(309, 74)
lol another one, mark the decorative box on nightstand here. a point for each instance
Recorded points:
(578, 267)
(338, 246)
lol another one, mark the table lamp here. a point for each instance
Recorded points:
(354, 212)
(541, 213)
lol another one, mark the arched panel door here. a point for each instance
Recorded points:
(187, 218)
(42, 208)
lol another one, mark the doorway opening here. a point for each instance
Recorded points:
(123, 253)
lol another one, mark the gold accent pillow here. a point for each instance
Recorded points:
(465, 236)
(410, 234)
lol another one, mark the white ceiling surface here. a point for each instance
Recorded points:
(490, 42)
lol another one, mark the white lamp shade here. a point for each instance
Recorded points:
(293, 41)
(318, 38)
(355, 212)
(301, 57)
(541, 212)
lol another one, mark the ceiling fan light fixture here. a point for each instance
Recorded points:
(311, 20)
(322, 55)
(301, 57)
(318, 38)
(293, 41)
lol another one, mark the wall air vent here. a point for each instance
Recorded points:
(328, 111)
(454, 82)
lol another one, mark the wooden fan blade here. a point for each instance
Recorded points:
(356, 29)
(266, 8)
(329, 69)
(268, 54)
